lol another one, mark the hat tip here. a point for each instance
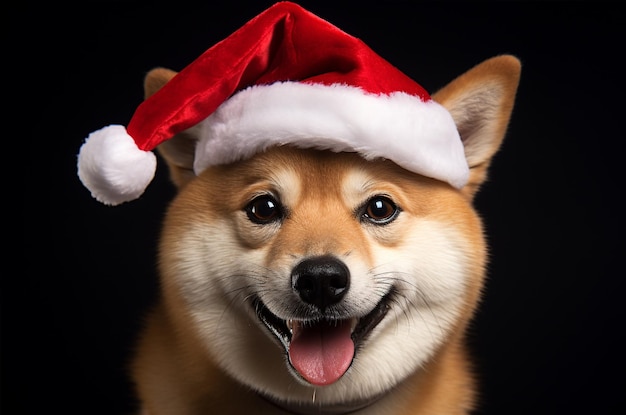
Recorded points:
(113, 168)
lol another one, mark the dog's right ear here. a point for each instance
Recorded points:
(178, 151)
(481, 101)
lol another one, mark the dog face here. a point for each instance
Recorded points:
(302, 268)
(304, 272)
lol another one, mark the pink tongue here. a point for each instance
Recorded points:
(323, 352)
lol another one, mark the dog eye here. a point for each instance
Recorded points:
(380, 210)
(264, 209)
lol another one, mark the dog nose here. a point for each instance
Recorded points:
(321, 281)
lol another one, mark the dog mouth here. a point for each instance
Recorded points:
(321, 351)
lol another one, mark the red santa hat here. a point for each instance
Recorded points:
(285, 77)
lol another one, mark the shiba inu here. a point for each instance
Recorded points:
(303, 276)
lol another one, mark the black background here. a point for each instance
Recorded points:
(549, 335)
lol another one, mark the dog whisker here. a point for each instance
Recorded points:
(395, 277)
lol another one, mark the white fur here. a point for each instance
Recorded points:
(419, 136)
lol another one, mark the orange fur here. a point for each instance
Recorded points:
(177, 372)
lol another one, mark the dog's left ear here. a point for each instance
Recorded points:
(481, 101)
(178, 151)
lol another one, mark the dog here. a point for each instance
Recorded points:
(311, 281)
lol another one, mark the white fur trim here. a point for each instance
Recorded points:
(419, 136)
(113, 168)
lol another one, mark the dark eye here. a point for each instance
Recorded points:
(264, 209)
(380, 210)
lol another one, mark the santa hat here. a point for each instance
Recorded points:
(285, 77)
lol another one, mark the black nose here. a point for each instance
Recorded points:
(321, 281)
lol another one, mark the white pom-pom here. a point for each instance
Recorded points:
(113, 168)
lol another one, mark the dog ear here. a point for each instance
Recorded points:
(481, 101)
(178, 151)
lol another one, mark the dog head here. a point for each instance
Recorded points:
(303, 269)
